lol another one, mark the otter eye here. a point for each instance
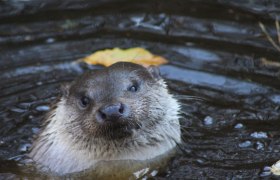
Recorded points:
(133, 88)
(84, 101)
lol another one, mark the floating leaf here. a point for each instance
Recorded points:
(136, 55)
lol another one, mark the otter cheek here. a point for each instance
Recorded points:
(139, 113)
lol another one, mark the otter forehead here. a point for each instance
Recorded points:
(111, 79)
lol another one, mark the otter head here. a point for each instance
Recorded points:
(115, 102)
(117, 113)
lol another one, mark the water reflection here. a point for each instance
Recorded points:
(212, 81)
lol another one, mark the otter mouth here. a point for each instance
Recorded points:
(117, 130)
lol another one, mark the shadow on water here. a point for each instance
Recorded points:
(216, 52)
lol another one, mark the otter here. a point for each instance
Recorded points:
(122, 112)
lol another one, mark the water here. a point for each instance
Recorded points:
(216, 52)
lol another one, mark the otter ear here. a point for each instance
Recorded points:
(65, 87)
(154, 71)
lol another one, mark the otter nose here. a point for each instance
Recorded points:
(110, 112)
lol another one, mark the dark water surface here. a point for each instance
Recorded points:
(216, 51)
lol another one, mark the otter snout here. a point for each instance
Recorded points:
(111, 112)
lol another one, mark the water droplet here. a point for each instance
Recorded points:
(266, 171)
(208, 121)
(266, 168)
(24, 105)
(259, 146)
(50, 40)
(39, 83)
(259, 135)
(27, 161)
(200, 161)
(264, 174)
(27, 38)
(154, 173)
(275, 98)
(245, 144)
(35, 130)
(42, 108)
(239, 126)
(276, 150)
(17, 110)
(24, 147)
(137, 20)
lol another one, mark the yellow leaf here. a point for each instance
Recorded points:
(136, 55)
